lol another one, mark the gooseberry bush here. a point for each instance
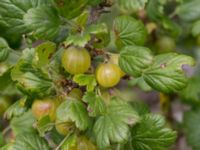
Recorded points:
(64, 65)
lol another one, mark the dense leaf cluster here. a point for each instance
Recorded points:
(65, 97)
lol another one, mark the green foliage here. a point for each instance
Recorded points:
(98, 31)
(73, 110)
(163, 72)
(123, 36)
(29, 142)
(82, 19)
(190, 94)
(44, 125)
(140, 83)
(94, 2)
(4, 50)
(134, 59)
(17, 109)
(1, 139)
(151, 134)
(85, 80)
(166, 73)
(156, 12)
(43, 21)
(78, 40)
(30, 80)
(69, 143)
(12, 12)
(113, 126)
(191, 128)
(96, 105)
(129, 31)
(70, 9)
(43, 53)
(196, 28)
(6, 147)
(140, 107)
(101, 34)
(23, 124)
(189, 10)
(5, 80)
(130, 6)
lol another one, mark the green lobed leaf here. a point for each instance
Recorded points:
(5, 102)
(23, 124)
(3, 68)
(113, 126)
(78, 39)
(6, 147)
(70, 9)
(97, 28)
(70, 142)
(43, 53)
(130, 6)
(78, 142)
(55, 136)
(151, 134)
(171, 27)
(4, 49)
(25, 61)
(166, 74)
(1, 140)
(85, 80)
(140, 107)
(35, 84)
(129, 31)
(44, 125)
(82, 19)
(191, 128)
(196, 28)
(96, 105)
(16, 109)
(191, 94)
(12, 12)
(43, 21)
(101, 34)
(134, 59)
(94, 2)
(140, 83)
(156, 12)
(30, 80)
(29, 141)
(7, 86)
(5, 80)
(73, 110)
(189, 10)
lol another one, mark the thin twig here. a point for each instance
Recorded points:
(63, 141)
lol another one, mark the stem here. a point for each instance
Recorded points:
(118, 147)
(98, 92)
(49, 124)
(27, 41)
(6, 130)
(15, 52)
(94, 15)
(63, 141)
(68, 23)
(172, 15)
(117, 93)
